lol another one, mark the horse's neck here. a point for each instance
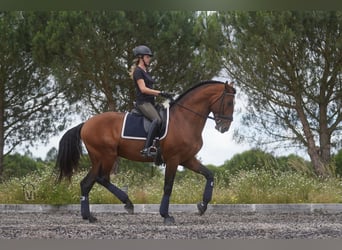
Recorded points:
(193, 110)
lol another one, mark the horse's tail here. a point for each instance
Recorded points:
(69, 152)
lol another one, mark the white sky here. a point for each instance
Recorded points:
(217, 147)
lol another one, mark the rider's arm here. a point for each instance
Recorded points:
(146, 90)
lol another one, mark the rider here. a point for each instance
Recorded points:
(145, 95)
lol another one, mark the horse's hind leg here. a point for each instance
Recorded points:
(86, 185)
(107, 163)
(121, 195)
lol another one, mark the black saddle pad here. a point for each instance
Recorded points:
(133, 127)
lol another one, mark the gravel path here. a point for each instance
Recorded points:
(69, 225)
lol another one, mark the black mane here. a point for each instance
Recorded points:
(194, 87)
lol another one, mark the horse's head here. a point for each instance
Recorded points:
(223, 108)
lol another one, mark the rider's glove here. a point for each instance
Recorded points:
(166, 95)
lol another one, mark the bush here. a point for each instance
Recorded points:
(254, 159)
(261, 186)
(264, 185)
(17, 165)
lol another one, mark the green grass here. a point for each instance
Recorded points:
(282, 187)
(245, 187)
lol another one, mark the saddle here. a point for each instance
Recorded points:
(136, 125)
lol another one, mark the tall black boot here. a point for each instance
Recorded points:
(150, 151)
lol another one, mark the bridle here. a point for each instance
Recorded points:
(216, 117)
(221, 110)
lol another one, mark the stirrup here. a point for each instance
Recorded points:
(149, 152)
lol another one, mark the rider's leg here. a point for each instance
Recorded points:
(151, 113)
(148, 150)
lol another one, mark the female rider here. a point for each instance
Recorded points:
(145, 95)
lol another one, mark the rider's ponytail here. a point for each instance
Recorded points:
(133, 67)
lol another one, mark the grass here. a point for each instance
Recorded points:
(245, 187)
(279, 187)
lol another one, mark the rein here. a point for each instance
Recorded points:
(196, 113)
(229, 118)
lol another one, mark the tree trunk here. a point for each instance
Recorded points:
(320, 156)
(319, 166)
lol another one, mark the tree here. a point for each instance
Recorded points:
(29, 96)
(20, 165)
(338, 163)
(289, 64)
(97, 51)
(51, 155)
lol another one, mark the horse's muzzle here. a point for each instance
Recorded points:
(222, 126)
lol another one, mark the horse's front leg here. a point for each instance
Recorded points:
(170, 173)
(208, 190)
(197, 167)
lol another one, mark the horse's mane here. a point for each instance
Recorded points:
(194, 87)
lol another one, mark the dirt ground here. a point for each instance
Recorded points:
(69, 225)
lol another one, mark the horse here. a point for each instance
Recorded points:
(101, 135)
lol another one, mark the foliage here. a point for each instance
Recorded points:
(256, 159)
(262, 186)
(51, 155)
(288, 63)
(338, 163)
(248, 160)
(20, 165)
(95, 51)
(31, 107)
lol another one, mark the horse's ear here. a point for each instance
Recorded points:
(231, 84)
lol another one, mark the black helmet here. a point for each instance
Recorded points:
(142, 50)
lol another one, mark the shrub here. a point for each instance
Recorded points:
(262, 186)
(17, 165)
(265, 185)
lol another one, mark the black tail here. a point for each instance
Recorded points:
(69, 152)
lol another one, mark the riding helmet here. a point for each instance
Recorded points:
(142, 50)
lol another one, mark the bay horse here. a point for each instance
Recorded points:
(101, 135)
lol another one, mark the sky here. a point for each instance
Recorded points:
(218, 147)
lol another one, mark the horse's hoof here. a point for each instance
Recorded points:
(201, 208)
(129, 208)
(91, 218)
(169, 220)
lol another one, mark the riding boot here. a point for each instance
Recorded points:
(151, 151)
